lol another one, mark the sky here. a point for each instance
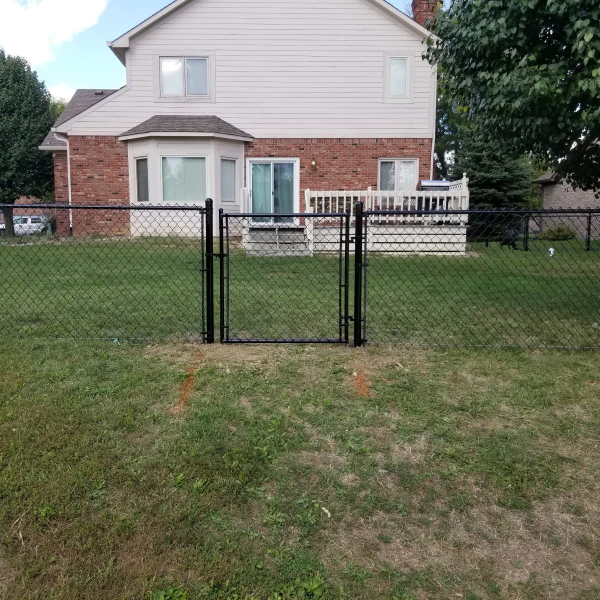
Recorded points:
(65, 40)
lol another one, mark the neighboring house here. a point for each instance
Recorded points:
(251, 103)
(557, 193)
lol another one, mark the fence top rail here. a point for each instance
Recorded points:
(505, 211)
(310, 215)
(132, 207)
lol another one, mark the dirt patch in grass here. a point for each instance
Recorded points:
(321, 461)
(181, 356)
(186, 390)
(248, 356)
(413, 453)
(7, 578)
(350, 480)
(140, 557)
(362, 384)
(549, 542)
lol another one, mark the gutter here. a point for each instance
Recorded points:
(66, 140)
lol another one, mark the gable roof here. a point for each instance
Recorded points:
(548, 177)
(52, 143)
(81, 100)
(201, 125)
(119, 45)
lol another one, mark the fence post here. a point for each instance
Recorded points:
(346, 235)
(526, 233)
(588, 235)
(358, 273)
(222, 275)
(210, 273)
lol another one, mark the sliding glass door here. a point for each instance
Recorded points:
(272, 188)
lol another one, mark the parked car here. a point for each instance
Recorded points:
(28, 225)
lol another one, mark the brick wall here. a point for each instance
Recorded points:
(562, 195)
(61, 191)
(100, 171)
(342, 164)
(99, 175)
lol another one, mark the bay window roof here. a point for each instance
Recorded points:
(186, 125)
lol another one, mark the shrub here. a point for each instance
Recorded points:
(558, 233)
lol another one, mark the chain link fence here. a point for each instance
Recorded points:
(103, 272)
(483, 278)
(420, 278)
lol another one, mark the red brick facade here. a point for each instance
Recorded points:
(99, 175)
(61, 191)
(100, 171)
(341, 163)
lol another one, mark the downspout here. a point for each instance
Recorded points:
(433, 137)
(66, 140)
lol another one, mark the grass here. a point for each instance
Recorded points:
(152, 289)
(182, 471)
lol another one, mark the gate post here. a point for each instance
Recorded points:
(210, 274)
(221, 275)
(358, 273)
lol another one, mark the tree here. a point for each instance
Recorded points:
(57, 106)
(498, 177)
(25, 119)
(451, 120)
(529, 72)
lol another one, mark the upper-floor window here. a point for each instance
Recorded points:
(183, 76)
(398, 76)
(398, 80)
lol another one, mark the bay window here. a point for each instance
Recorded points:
(183, 179)
(141, 173)
(228, 181)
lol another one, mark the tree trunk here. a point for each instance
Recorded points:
(7, 212)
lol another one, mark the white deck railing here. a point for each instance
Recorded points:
(455, 198)
(341, 201)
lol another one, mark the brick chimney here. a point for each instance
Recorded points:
(424, 11)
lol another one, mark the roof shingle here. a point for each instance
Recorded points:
(82, 100)
(51, 141)
(186, 124)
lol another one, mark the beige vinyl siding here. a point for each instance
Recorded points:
(283, 69)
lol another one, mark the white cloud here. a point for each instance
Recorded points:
(62, 91)
(35, 28)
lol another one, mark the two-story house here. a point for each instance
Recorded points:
(272, 97)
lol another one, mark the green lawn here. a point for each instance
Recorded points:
(239, 472)
(152, 289)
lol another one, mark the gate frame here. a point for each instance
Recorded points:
(344, 241)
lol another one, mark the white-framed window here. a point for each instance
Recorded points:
(274, 185)
(228, 180)
(183, 179)
(397, 174)
(142, 186)
(182, 76)
(398, 77)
